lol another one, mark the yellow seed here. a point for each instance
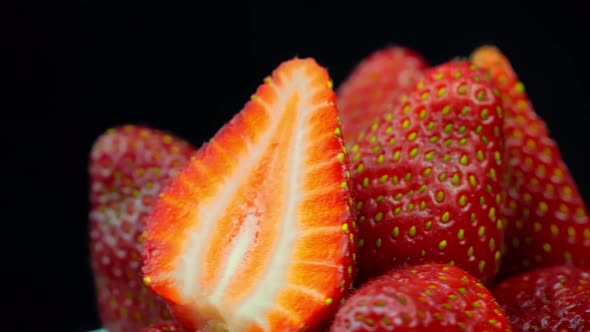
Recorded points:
(433, 139)
(396, 155)
(554, 229)
(337, 131)
(492, 244)
(407, 109)
(378, 216)
(472, 180)
(442, 244)
(397, 210)
(464, 160)
(442, 176)
(480, 156)
(441, 92)
(448, 128)
(428, 225)
(422, 114)
(571, 231)
(413, 152)
(344, 227)
(427, 172)
(412, 231)
(328, 301)
(360, 168)
(461, 234)
(440, 196)
(378, 243)
(455, 179)
(481, 231)
(429, 155)
(484, 114)
(395, 231)
(147, 280)
(481, 266)
(445, 217)
(425, 95)
(492, 213)
(422, 205)
(470, 251)
(406, 124)
(380, 159)
(340, 156)
(537, 226)
(383, 178)
(547, 247)
(493, 174)
(462, 200)
(462, 89)
(365, 182)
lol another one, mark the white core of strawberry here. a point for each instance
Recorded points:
(253, 308)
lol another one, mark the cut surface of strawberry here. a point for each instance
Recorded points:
(256, 233)
(129, 166)
(376, 81)
(547, 218)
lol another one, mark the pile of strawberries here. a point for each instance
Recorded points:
(416, 198)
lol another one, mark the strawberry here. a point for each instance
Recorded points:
(374, 83)
(426, 177)
(164, 327)
(256, 232)
(429, 297)
(547, 219)
(548, 299)
(129, 166)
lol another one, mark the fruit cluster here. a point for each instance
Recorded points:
(416, 197)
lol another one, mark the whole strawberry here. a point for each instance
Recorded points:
(374, 83)
(430, 297)
(129, 166)
(426, 177)
(548, 221)
(547, 300)
(164, 327)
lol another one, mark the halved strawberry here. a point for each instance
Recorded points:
(426, 177)
(548, 221)
(256, 233)
(129, 166)
(374, 83)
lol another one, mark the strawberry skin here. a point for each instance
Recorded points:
(256, 233)
(429, 297)
(547, 219)
(129, 166)
(377, 80)
(549, 299)
(426, 177)
(165, 327)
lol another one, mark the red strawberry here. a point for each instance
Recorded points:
(426, 177)
(256, 233)
(431, 297)
(549, 299)
(547, 219)
(374, 83)
(164, 327)
(129, 166)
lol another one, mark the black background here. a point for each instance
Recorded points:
(76, 69)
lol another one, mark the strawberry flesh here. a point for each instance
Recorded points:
(430, 297)
(129, 166)
(377, 80)
(256, 233)
(547, 218)
(426, 177)
(550, 299)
